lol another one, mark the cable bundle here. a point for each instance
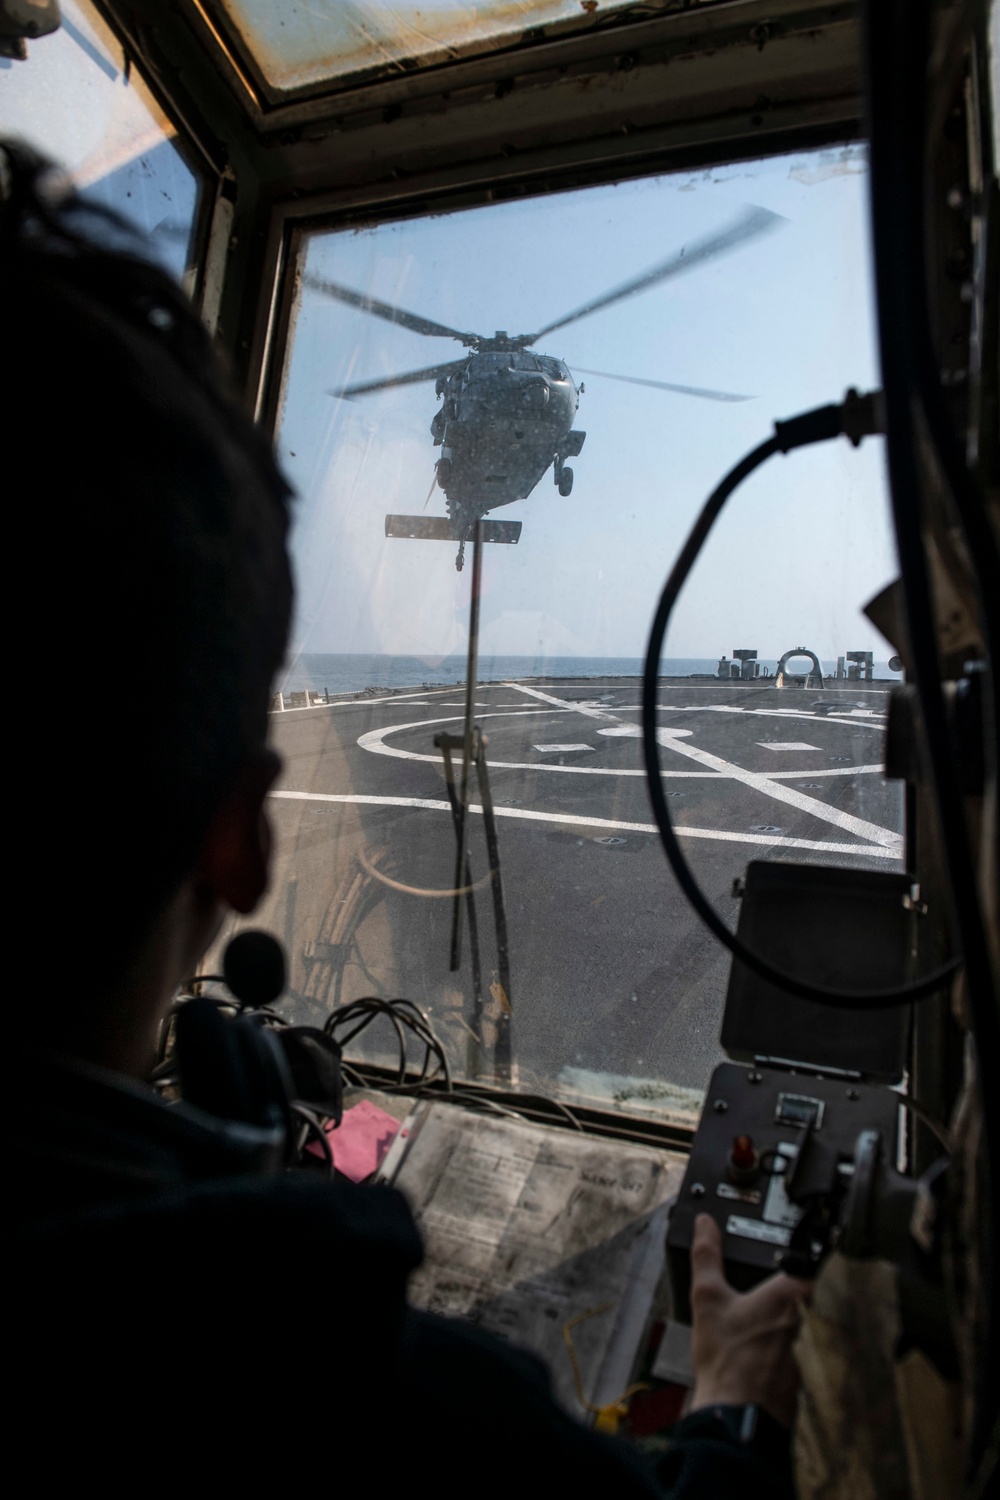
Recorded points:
(348, 1021)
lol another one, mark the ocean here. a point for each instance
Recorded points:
(353, 674)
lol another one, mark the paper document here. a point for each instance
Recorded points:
(527, 1227)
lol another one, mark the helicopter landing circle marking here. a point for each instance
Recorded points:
(633, 732)
(374, 742)
(855, 717)
(872, 833)
(433, 804)
(715, 767)
(564, 749)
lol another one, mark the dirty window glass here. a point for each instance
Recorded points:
(295, 44)
(407, 396)
(74, 98)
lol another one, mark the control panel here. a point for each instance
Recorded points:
(744, 1153)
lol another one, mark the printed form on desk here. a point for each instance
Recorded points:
(527, 1228)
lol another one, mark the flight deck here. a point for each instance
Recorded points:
(615, 984)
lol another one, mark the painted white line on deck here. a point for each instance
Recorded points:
(633, 732)
(358, 702)
(564, 749)
(863, 716)
(785, 745)
(433, 804)
(782, 792)
(588, 706)
(870, 832)
(875, 770)
(374, 742)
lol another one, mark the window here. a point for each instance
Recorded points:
(615, 989)
(295, 44)
(76, 100)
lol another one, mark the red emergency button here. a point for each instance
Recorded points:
(744, 1160)
(743, 1154)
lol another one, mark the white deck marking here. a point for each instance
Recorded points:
(865, 718)
(588, 706)
(433, 804)
(565, 749)
(359, 702)
(781, 792)
(633, 732)
(875, 770)
(785, 745)
(870, 832)
(374, 742)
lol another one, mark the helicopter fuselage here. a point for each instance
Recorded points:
(506, 416)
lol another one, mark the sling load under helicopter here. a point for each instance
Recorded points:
(506, 412)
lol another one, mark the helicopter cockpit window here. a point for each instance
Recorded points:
(665, 353)
(76, 99)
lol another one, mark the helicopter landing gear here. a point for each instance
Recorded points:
(565, 481)
(460, 557)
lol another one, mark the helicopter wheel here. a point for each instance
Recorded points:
(565, 480)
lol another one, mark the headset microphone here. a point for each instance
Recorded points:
(254, 1069)
(253, 967)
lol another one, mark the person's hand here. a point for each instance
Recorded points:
(741, 1344)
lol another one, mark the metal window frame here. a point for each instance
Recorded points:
(555, 43)
(708, 85)
(692, 87)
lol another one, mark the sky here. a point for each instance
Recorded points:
(788, 319)
(73, 99)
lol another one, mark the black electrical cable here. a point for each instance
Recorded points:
(313, 1126)
(900, 89)
(404, 1017)
(856, 417)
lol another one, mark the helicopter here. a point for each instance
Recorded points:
(507, 412)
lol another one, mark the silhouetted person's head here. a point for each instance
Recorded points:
(153, 594)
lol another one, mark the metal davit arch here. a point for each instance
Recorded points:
(814, 679)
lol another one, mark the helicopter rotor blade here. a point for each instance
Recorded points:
(386, 310)
(412, 377)
(663, 385)
(751, 223)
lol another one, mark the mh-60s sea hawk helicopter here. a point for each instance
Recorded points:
(506, 412)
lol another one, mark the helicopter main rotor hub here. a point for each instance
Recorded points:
(500, 343)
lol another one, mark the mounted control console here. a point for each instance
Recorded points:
(786, 1142)
(753, 1127)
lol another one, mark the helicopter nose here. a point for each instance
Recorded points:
(535, 394)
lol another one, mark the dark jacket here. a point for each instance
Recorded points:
(174, 1313)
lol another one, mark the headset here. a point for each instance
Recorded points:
(234, 1059)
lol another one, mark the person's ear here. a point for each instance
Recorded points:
(236, 853)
